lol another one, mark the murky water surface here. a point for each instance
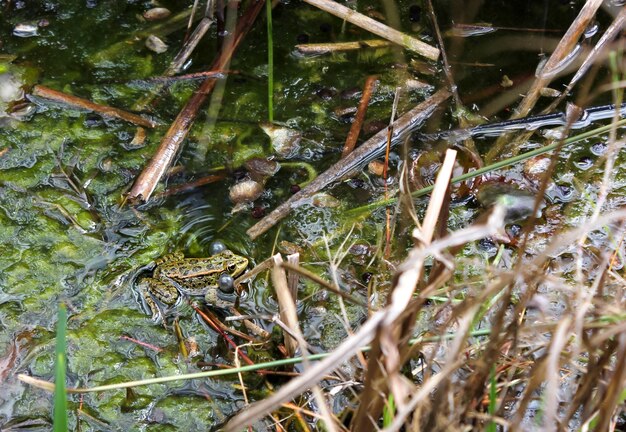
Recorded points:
(66, 237)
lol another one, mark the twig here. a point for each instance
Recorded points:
(148, 179)
(323, 48)
(355, 129)
(367, 151)
(194, 184)
(57, 96)
(376, 27)
(325, 284)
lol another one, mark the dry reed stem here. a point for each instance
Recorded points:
(286, 302)
(289, 314)
(405, 287)
(105, 110)
(151, 175)
(377, 28)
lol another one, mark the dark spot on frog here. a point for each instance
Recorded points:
(294, 188)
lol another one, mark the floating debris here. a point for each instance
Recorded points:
(285, 141)
(549, 92)
(535, 168)
(376, 167)
(25, 30)
(243, 193)
(506, 82)
(139, 138)
(324, 200)
(157, 13)
(261, 168)
(155, 44)
(10, 88)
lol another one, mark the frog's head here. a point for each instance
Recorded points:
(234, 264)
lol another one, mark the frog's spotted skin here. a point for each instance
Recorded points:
(174, 274)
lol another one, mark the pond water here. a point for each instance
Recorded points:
(66, 234)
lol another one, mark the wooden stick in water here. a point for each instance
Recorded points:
(367, 151)
(170, 144)
(355, 129)
(323, 48)
(105, 110)
(376, 27)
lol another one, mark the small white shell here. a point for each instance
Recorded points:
(245, 191)
(25, 30)
(285, 141)
(155, 44)
(156, 14)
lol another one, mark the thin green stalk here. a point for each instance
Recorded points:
(270, 61)
(489, 168)
(389, 411)
(223, 372)
(60, 394)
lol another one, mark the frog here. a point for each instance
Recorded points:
(174, 276)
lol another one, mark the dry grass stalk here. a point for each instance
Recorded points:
(348, 165)
(107, 111)
(324, 48)
(387, 348)
(377, 28)
(151, 175)
(286, 301)
(293, 277)
(408, 275)
(294, 338)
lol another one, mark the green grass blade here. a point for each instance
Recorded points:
(389, 411)
(60, 395)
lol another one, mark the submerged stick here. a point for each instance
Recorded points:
(355, 129)
(323, 48)
(171, 142)
(376, 27)
(370, 149)
(105, 110)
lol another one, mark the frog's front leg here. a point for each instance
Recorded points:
(151, 288)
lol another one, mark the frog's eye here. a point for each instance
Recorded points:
(232, 267)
